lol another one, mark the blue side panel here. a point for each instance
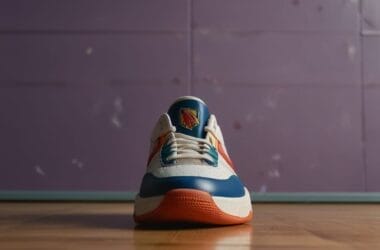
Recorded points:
(154, 186)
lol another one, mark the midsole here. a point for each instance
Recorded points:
(239, 206)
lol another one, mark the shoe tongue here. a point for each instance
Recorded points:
(189, 115)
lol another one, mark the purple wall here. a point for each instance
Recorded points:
(295, 85)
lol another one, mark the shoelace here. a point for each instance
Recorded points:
(187, 147)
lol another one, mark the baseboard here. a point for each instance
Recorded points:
(315, 197)
(318, 197)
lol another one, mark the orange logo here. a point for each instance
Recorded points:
(189, 118)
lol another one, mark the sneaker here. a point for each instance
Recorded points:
(190, 176)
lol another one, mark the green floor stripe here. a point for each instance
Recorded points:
(370, 197)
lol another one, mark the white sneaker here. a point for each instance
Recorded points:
(190, 177)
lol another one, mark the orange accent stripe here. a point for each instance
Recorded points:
(189, 205)
(223, 153)
(157, 146)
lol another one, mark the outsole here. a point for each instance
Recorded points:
(192, 206)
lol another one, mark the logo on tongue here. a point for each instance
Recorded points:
(188, 118)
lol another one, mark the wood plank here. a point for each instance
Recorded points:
(110, 225)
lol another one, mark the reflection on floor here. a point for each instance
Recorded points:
(110, 226)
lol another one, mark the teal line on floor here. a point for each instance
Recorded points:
(315, 197)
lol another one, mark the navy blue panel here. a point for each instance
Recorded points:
(154, 186)
(190, 117)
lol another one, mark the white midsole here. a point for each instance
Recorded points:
(240, 206)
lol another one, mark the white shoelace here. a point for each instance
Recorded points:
(188, 147)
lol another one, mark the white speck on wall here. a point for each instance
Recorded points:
(351, 51)
(270, 102)
(116, 121)
(39, 170)
(77, 163)
(276, 157)
(263, 188)
(89, 51)
(274, 173)
(80, 165)
(118, 109)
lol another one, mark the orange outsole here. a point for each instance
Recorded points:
(189, 205)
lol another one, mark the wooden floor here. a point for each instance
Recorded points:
(110, 226)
